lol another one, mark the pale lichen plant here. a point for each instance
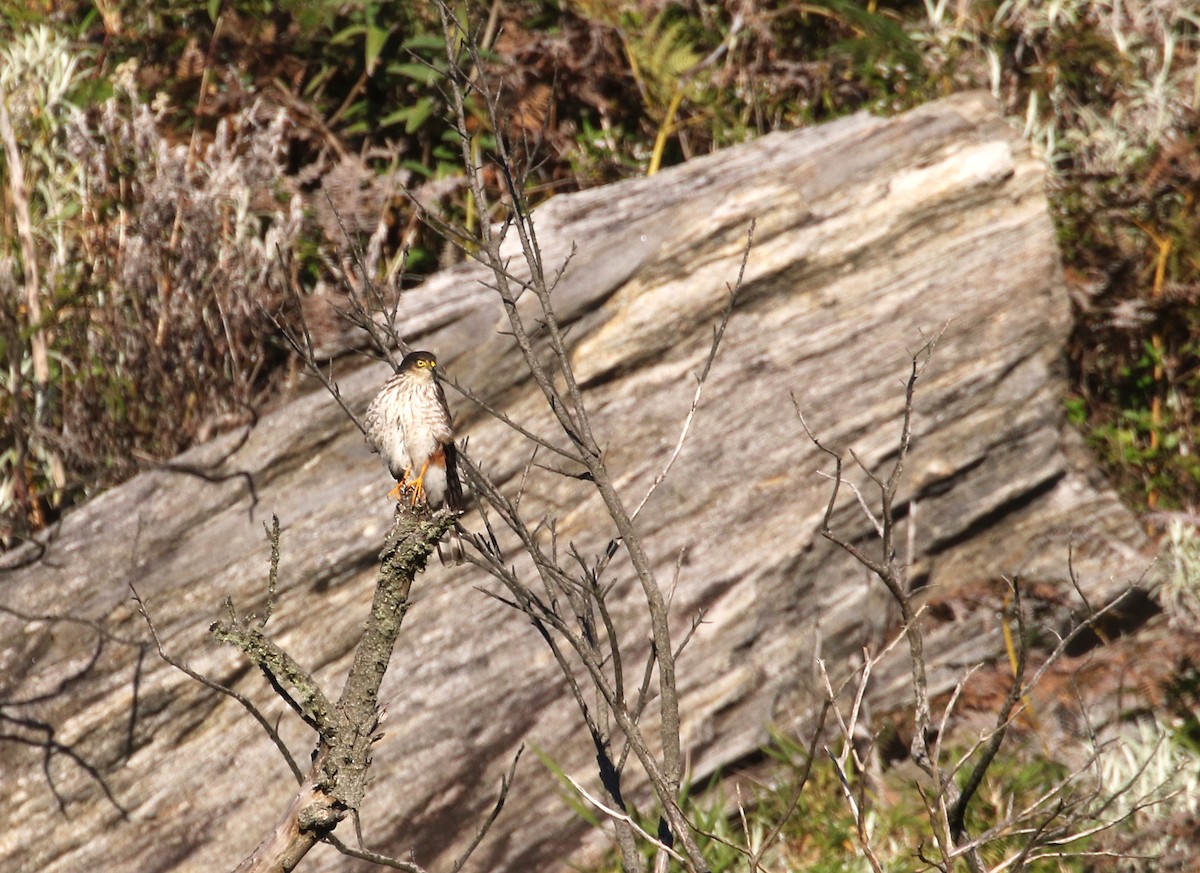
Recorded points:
(1158, 87)
(1151, 772)
(38, 73)
(1178, 581)
(143, 275)
(1150, 777)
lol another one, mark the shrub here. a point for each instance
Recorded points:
(155, 260)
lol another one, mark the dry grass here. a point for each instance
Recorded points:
(154, 258)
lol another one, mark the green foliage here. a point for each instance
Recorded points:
(567, 792)
(661, 53)
(714, 77)
(425, 71)
(1183, 697)
(820, 835)
(1145, 425)
(876, 37)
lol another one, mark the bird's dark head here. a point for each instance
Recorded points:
(421, 363)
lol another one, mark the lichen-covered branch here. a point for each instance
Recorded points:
(337, 781)
(406, 551)
(291, 681)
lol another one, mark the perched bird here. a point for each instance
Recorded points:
(408, 423)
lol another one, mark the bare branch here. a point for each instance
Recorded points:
(337, 781)
(625, 819)
(975, 779)
(374, 857)
(291, 682)
(255, 713)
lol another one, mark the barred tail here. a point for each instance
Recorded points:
(454, 493)
(450, 549)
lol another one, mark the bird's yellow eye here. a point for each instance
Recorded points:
(421, 364)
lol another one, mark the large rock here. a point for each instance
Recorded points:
(872, 234)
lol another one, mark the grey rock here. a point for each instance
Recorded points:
(872, 235)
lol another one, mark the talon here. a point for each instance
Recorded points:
(401, 486)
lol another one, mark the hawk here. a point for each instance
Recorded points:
(408, 423)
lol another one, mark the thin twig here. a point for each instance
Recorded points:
(306, 351)
(505, 784)
(1015, 692)
(273, 574)
(374, 857)
(718, 333)
(797, 788)
(623, 817)
(255, 713)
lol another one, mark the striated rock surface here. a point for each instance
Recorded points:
(872, 235)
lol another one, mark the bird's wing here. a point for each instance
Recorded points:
(446, 424)
(374, 419)
(385, 432)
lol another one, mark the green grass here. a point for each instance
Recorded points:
(820, 834)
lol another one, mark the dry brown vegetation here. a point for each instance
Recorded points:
(168, 157)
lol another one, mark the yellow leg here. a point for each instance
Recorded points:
(418, 487)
